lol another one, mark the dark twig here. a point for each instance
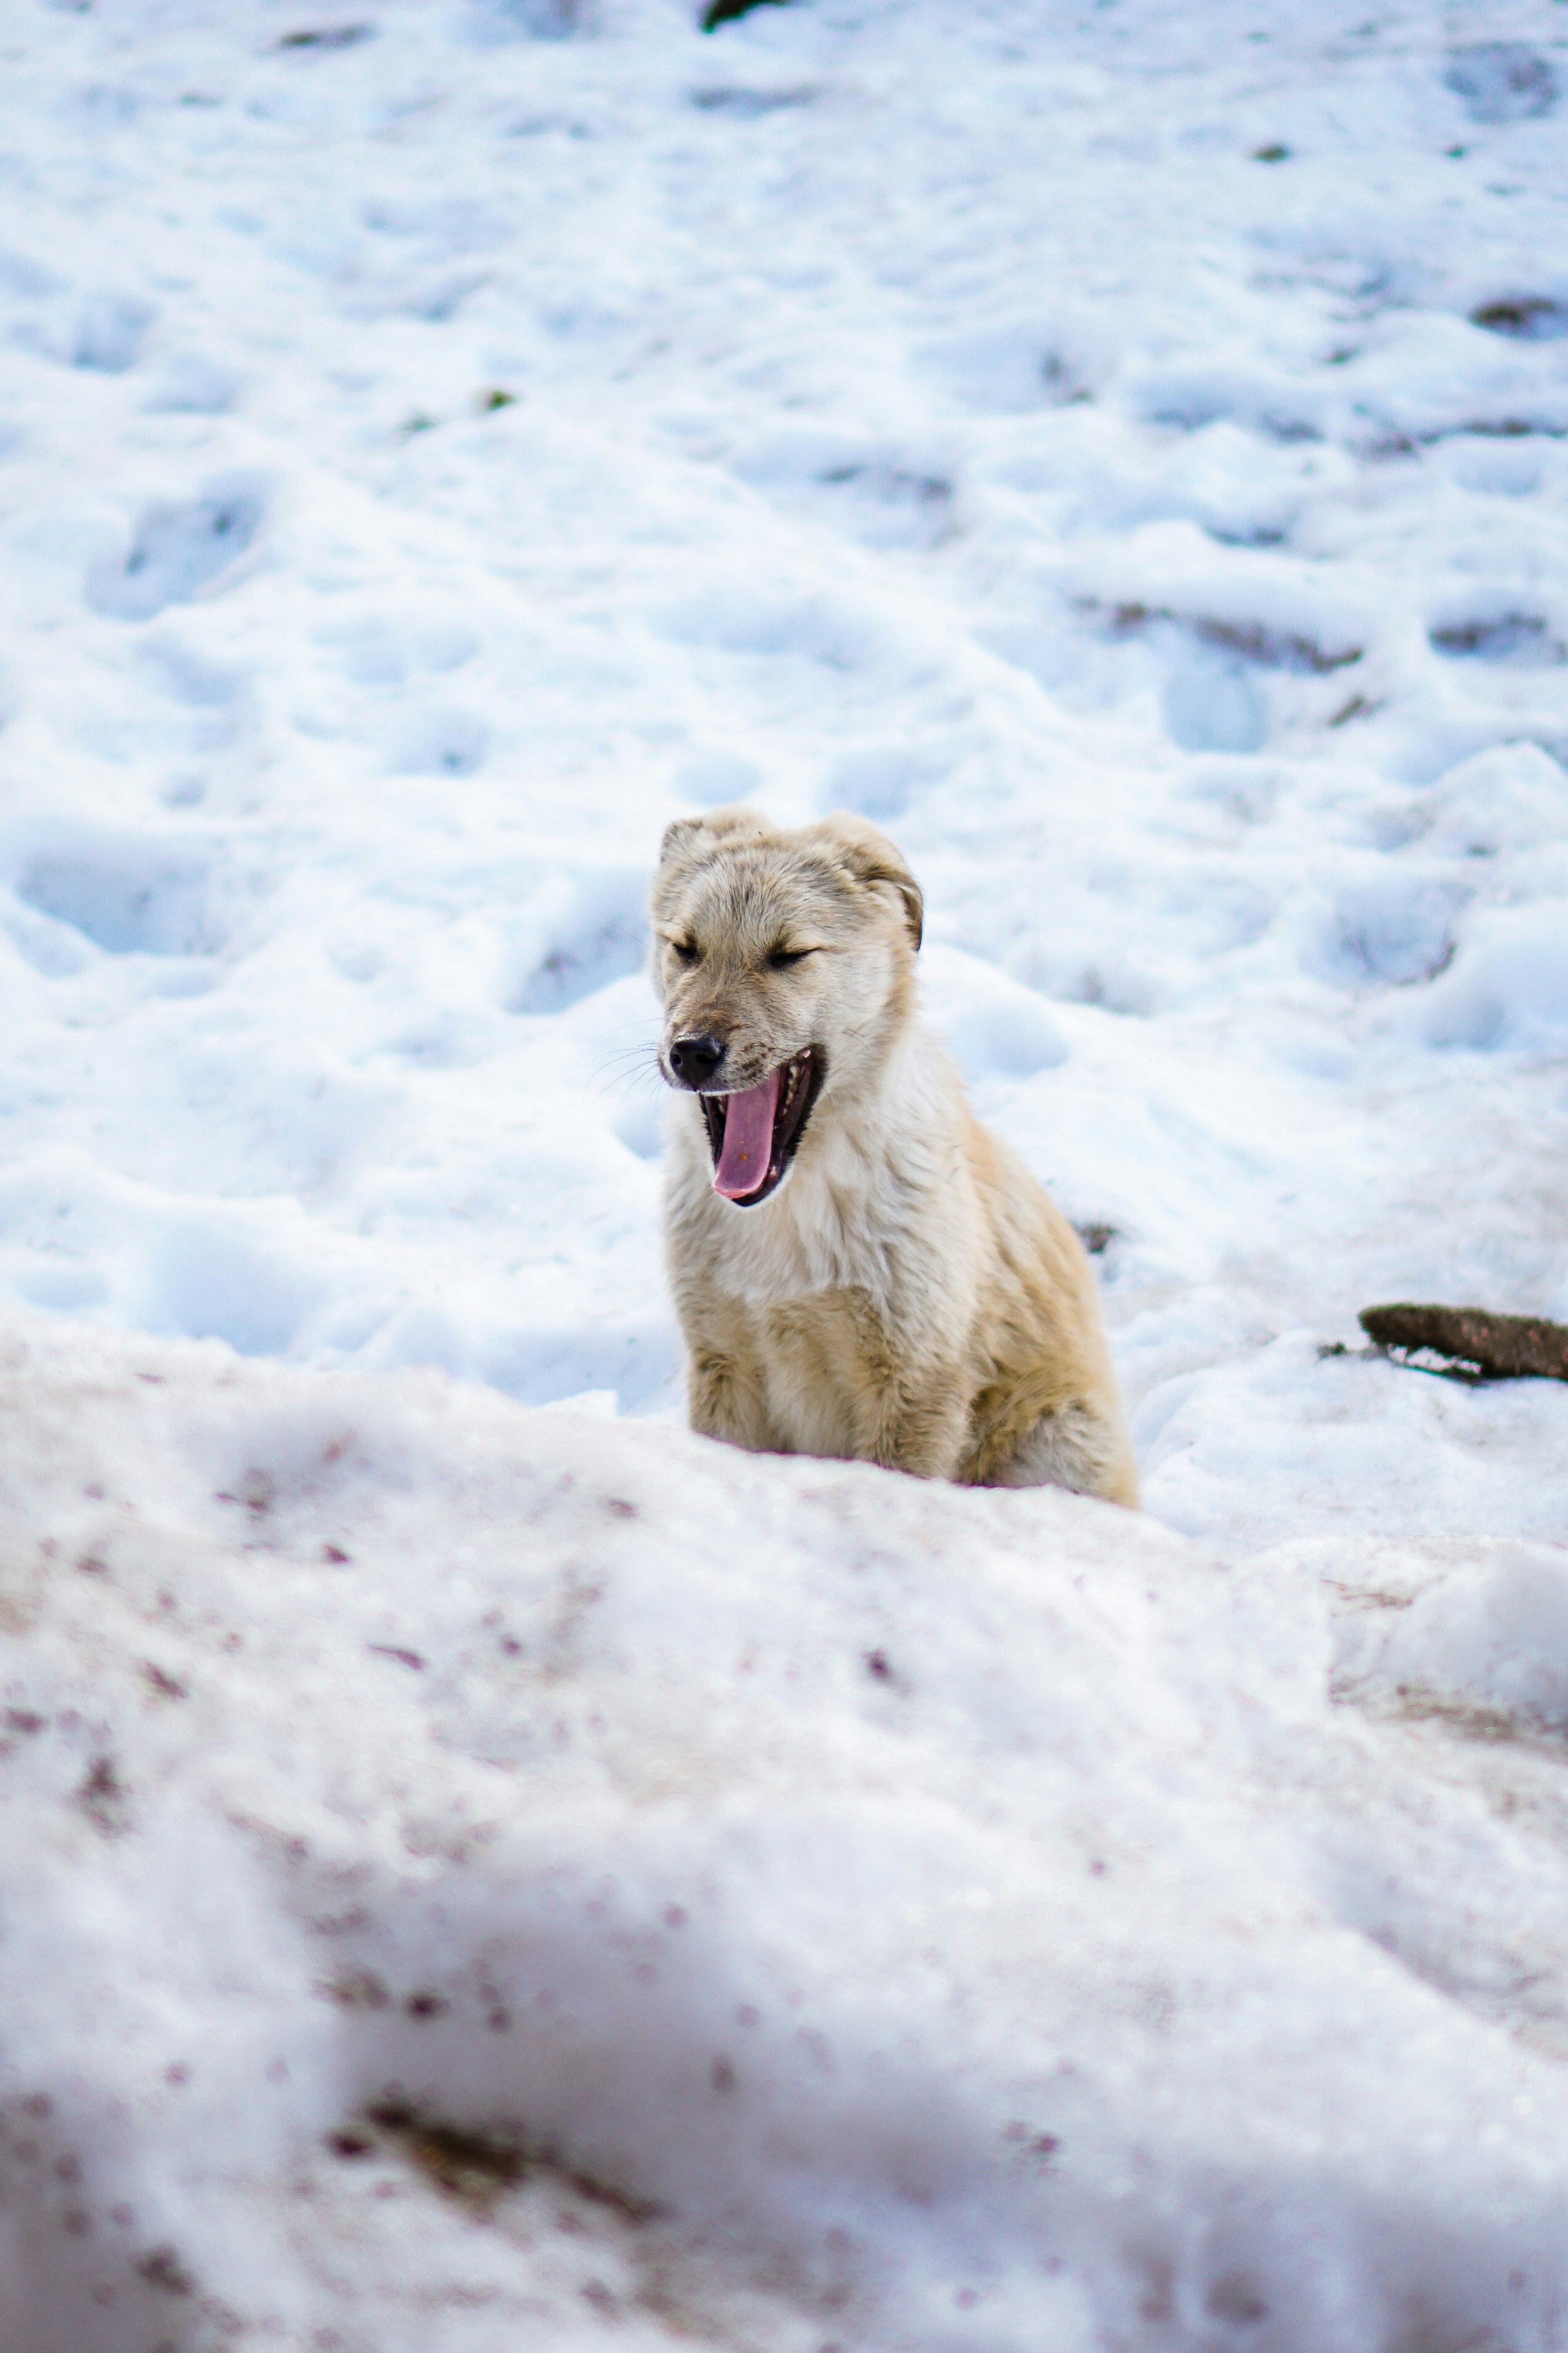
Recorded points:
(1499, 1347)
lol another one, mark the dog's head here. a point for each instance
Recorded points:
(785, 962)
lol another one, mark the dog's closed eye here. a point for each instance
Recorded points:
(684, 951)
(782, 958)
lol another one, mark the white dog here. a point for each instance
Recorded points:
(860, 1269)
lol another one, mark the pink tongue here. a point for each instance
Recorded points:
(748, 1139)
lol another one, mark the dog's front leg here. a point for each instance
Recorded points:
(854, 1385)
(722, 1403)
(725, 1391)
(921, 1424)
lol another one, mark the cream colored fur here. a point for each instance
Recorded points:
(908, 1294)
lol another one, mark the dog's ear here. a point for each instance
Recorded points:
(871, 857)
(690, 836)
(690, 841)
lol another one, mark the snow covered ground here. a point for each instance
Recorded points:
(940, 412)
(476, 1879)
(1124, 452)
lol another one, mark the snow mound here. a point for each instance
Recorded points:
(477, 1877)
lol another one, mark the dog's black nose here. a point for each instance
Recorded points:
(695, 1059)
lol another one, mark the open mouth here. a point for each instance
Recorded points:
(755, 1133)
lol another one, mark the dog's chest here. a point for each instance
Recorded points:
(791, 1249)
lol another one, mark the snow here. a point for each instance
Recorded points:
(1512, 985)
(866, 1913)
(1124, 453)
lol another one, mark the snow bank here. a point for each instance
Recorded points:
(474, 1876)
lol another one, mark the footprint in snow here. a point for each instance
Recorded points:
(1501, 81)
(175, 552)
(127, 897)
(1389, 927)
(1214, 703)
(749, 105)
(579, 933)
(492, 23)
(193, 385)
(442, 743)
(1526, 319)
(1497, 638)
(110, 330)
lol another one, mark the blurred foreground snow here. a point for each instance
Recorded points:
(476, 1878)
